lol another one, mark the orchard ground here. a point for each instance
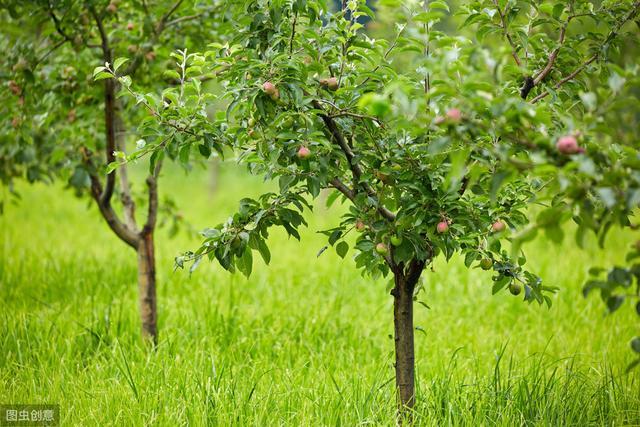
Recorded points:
(305, 342)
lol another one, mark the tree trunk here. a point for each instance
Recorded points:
(147, 287)
(403, 329)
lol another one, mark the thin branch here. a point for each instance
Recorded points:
(514, 48)
(109, 112)
(356, 171)
(552, 58)
(57, 25)
(567, 78)
(293, 33)
(128, 205)
(130, 237)
(612, 35)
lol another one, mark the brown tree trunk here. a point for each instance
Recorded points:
(403, 334)
(147, 287)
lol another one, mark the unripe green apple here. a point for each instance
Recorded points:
(515, 288)
(396, 240)
(382, 249)
(486, 263)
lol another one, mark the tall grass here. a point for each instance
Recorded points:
(305, 341)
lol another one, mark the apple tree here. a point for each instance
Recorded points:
(591, 86)
(57, 123)
(436, 143)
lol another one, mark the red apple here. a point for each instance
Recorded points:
(360, 226)
(568, 144)
(442, 227)
(303, 152)
(498, 226)
(14, 87)
(269, 88)
(130, 26)
(454, 115)
(381, 248)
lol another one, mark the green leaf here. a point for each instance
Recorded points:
(118, 63)
(342, 248)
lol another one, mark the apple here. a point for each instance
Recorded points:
(360, 226)
(251, 122)
(383, 177)
(382, 249)
(253, 134)
(130, 26)
(515, 288)
(132, 48)
(486, 263)
(454, 115)
(14, 87)
(498, 226)
(71, 116)
(112, 7)
(568, 144)
(442, 227)
(150, 56)
(332, 83)
(303, 152)
(269, 88)
(396, 240)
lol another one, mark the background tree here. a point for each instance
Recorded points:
(59, 123)
(436, 143)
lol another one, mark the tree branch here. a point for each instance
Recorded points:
(152, 210)
(109, 112)
(514, 48)
(356, 171)
(129, 206)
(612, 35)
(130, 237)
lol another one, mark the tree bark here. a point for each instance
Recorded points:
(403, 334)
(405, 283)
(147, 288)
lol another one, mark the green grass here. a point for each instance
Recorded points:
(305, 341)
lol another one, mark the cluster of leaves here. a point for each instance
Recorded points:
(54, 111)
(315, 103)
(619, 284)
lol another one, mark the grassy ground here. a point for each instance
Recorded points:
(303, 342)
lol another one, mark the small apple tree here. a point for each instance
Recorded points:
(56, 121)
(437, 145)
